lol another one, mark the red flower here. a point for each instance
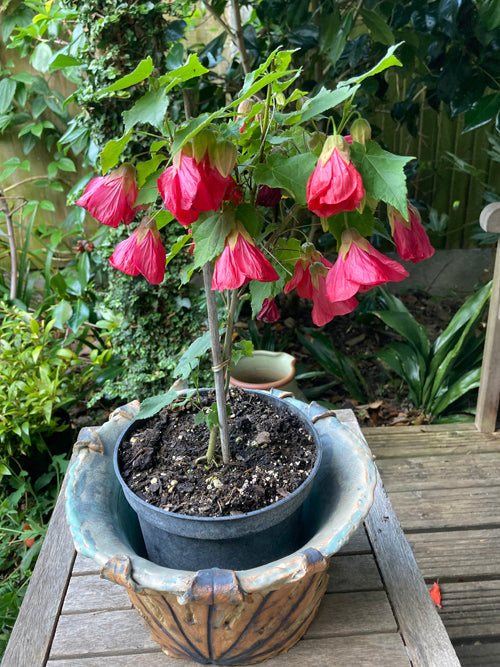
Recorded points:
(142, 252)
(110, 199)
(310, 280)
(359, 267)
(267, 196)
(240, 262)
(335, 185)
(435, 592)
(412, 242)
(189, 188)
(269, 312)
(29, 541)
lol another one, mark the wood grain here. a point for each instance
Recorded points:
(471, 610)
(359, 651)
(40, 609)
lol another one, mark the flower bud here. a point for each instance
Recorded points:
(361, 131)
(202, 144)
(245, 107)
(315, 140)
(225, 155)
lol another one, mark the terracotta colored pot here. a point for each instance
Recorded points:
(266, 370)
(219, 616)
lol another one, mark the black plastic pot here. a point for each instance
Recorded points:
(231, 542)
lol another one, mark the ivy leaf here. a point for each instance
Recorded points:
(289, 173)
(382, 173)
(210, 236)
(7, 91)
(150, 108)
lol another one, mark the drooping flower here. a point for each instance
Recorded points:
(335, 185)
(410, 237)
(240, 262)
(269, 312)
(110, 199)
(310, 280)
(267, 196)
(142, 252)
(193, 185)
(359, 267)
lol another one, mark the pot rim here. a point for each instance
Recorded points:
(239, 517)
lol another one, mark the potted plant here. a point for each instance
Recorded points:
(237, 180)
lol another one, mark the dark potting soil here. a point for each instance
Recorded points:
(272, 454)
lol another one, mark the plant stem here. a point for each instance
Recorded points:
(226, 353)
(4, 207)
(218, 367)
(245, 61)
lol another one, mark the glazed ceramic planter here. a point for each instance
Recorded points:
(217, 616)
(229, 542)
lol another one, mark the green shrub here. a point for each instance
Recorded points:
(37, 378)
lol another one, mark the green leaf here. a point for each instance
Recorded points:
(407, 326)
(177, 247)
(403, 361)
(141, 72)
(112, 151)
(191, 69)
(145, 169)
(163, 217)
(289, 173)
(41, 57)
(210, 236)
(66, 164)
(7, 92)
(260, 291)
(61, 60)
(191, 128)
(62, 313)
(150, 406)
(191, 357)
(363, 222)
(466, 383)
(382, 173)
(335, 363)
(377, 26)
(81, 313)
(482, 112)
(389, 60)
(325, 100)
(150, 108)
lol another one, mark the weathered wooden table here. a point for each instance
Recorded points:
(377, 610)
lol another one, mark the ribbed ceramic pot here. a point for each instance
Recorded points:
(217, 616)
(229, 542)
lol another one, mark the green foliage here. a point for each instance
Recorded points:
(438, 373)
(25, 509)
(341, 366)
(38, 377)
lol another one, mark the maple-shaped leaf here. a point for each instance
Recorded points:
(289, 173)
(382, 173)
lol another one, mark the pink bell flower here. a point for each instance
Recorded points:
(269, 312)
(240, 262)
(359, 267)
(335, 185)
(189, 187)
(310, 280)
(142, 252)
(412, 242)
(110, 199)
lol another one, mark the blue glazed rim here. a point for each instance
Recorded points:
(93, 492)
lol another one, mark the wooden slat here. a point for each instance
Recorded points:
(438, 440)
(354, 573)
(433, 509)
(479, 654)
(84, 565)
(35, 625)
(440, 472)
(359, 651)
(456, 555)
(471, 610)
(90, 593)
(422, 630)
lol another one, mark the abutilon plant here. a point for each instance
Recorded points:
(246, 183)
